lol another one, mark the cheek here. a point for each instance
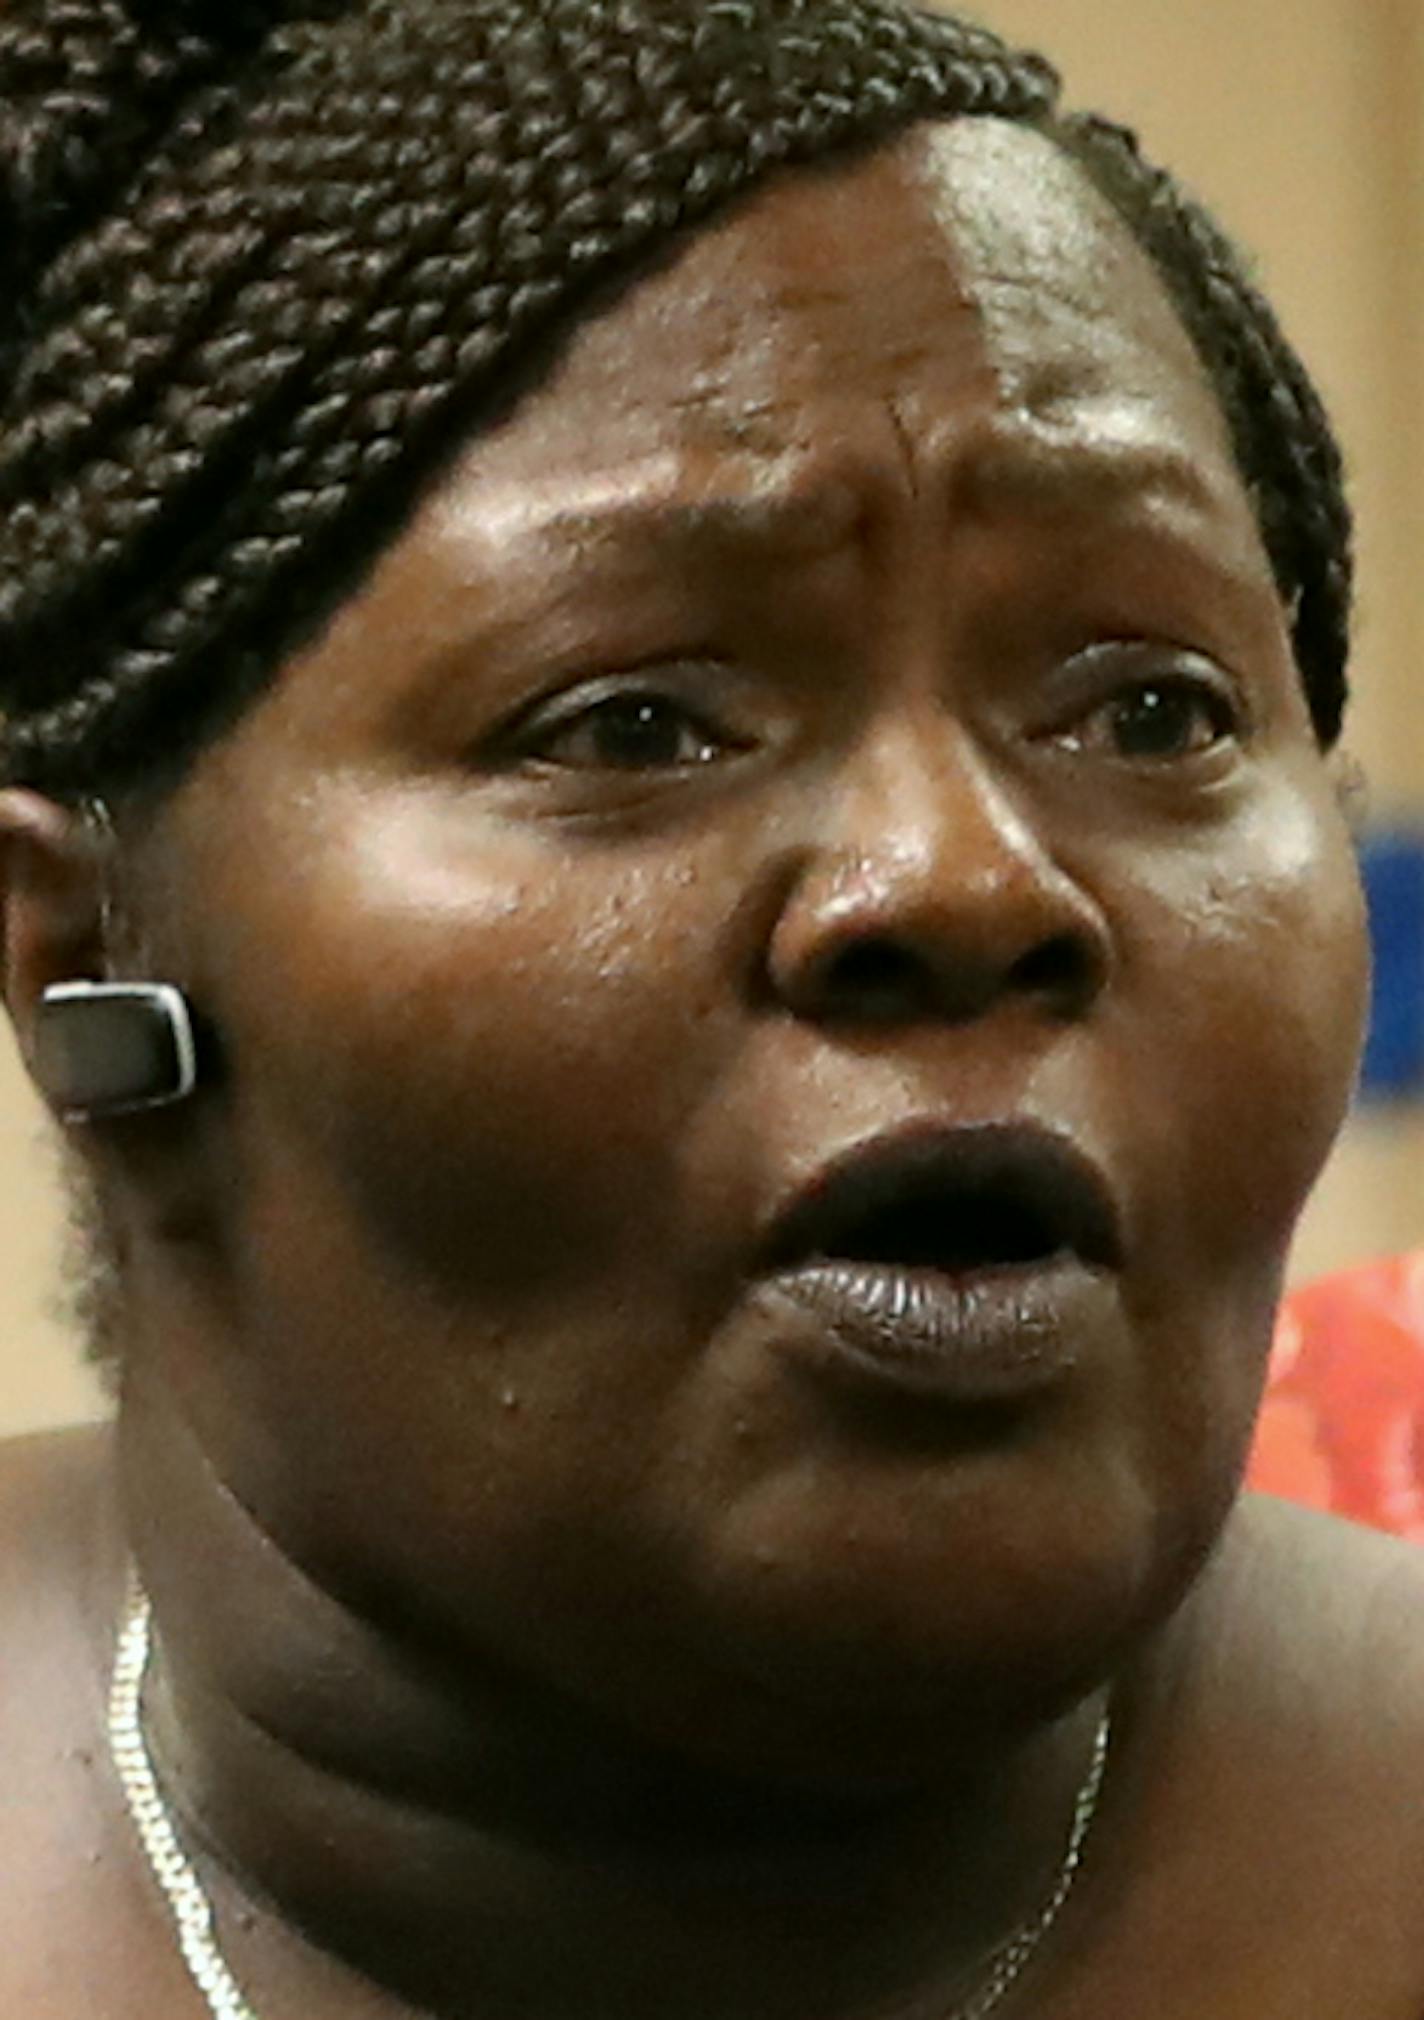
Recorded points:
(489, 1048)
(1238, 1085)
(1271, 1021)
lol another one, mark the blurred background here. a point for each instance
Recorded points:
(1302, 123)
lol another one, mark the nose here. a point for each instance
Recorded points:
(928, 892)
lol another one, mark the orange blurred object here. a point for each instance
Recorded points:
(1342, 1424)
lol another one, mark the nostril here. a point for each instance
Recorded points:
(882, 977)
(1061, 968)
(875, 975)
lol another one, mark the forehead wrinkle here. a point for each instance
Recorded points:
(757, 427)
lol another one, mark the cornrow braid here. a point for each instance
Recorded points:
(275, 260)
(235, 388)
(84, 84)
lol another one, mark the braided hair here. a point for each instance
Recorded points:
(264, 261)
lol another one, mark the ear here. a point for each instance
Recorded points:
(52, 903)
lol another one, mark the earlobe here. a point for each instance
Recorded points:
(95, 1045)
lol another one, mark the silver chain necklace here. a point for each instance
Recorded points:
(192, 1911)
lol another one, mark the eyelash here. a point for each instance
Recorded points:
(1212, 702)
(646, 709)
(654, 719)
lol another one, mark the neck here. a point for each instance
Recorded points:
(460, 1839)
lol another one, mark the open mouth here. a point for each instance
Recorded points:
(958, 1202)
(953, 1233)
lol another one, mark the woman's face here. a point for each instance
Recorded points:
(784, 969)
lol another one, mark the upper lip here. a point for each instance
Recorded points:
(955, 1199)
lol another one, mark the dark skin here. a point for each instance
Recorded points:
(849, 696)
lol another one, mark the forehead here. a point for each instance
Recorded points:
(951, 343)
(968, 273)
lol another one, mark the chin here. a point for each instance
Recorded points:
(892, 1647)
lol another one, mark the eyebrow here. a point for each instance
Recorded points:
(800, 505)
(1039, 470)
(777, 508)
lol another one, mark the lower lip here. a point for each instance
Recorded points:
(988, 1335)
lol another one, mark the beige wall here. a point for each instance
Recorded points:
(1303, 122)
(41, 1378)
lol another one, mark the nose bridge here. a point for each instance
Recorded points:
(928, 886)
(921, 817)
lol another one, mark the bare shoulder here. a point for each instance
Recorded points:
(55, 1587)
(51, 1492)
(60, 1922)
(1307, 1645)
(61, 1567)
(1260, 1851)
(1331, 1615)
(46, 1466)
(1300, 1733)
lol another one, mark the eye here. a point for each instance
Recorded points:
(629, 732)
(1157, 721)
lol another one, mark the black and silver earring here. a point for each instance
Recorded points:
(111, 1048)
